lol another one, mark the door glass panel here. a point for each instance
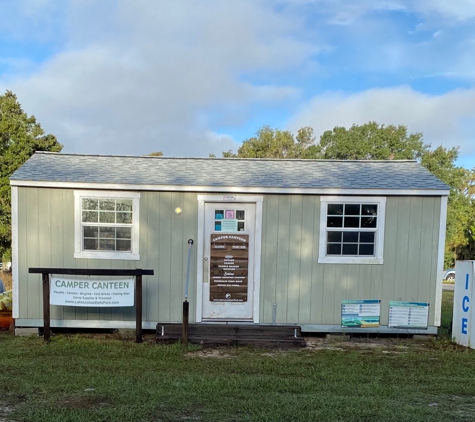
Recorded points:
(229, 220)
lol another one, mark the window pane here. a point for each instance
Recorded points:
(124, 218)
(369, 222)
(334, 249)
(334, 236)
(240, 226)
(367, 249)
(334, 221)
(240, 214)
(350, 237)
(123, 205)
(106, 244)
(91, 231)
(107, 217)
(217, 226)
(89, 204)
(90, 244)
(124, 233)
(350, 249)
(107, 204)
(367, 237)
(107, 232)
(370, 209)
(90, 216)
(219, 214)
(124, 245)
(352, 209)
(352, 222)
(335, 209)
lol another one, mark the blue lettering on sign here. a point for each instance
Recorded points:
(465, 300)
(465, 306)
(464, 325)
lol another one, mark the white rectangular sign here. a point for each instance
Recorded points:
(463, 325)
(408, 314)
(93, 293)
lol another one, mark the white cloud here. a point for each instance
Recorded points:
(447, 120)
(136, 78)
(456, 10)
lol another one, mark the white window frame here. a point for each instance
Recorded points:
(323, 258)
(79, 252)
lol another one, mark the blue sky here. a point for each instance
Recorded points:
(191, 78)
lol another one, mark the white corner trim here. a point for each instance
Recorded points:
(15, 258)
(199, 255)
(257, 260)
(378, 257)
(232, 189)
(440, 262)
(79, 253)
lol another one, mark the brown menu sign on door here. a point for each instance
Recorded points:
(229, 265)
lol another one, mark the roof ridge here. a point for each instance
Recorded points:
(223, 158)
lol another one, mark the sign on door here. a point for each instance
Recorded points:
(229, 267)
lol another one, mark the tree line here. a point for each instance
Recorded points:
(21, 135)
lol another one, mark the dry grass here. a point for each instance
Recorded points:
(6, 277)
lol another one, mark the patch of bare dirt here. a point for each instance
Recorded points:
(85, 402)
(5, 410)
(387, 345)
(210, 353)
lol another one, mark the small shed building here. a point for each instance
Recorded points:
(276, 241)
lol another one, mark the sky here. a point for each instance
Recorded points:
(190, 78)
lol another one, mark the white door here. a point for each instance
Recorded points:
(228, 261)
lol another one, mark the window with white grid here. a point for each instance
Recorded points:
(352, 230)
(106, 225)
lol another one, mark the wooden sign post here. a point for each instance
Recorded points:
(138, 273)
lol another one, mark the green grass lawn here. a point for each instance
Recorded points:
(104, 378)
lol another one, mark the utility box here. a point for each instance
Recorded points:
(463, 325)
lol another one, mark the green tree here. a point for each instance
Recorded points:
(20, 137)
(370, 141)
(275, 143)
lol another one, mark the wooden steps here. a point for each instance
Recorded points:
(272, 336)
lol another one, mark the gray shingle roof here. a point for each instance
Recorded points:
(226, 173)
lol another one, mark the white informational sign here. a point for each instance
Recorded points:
(408, 314)
(229, 225)
(463, 322)
(93, 293)
(360, 313)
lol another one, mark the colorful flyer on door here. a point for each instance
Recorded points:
(360, 313)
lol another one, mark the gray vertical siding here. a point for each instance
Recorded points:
(46, 239)
(304, 291)
(310, 293)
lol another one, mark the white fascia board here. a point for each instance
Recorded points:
(233, 189)
(440, 262)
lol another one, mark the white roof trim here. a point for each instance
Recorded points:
(233, 189)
